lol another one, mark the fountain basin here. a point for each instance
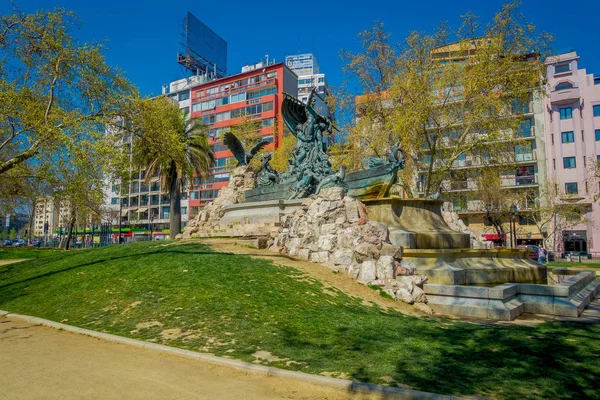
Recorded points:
(475, 267)
(416, 223)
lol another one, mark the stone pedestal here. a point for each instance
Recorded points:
(416, 223)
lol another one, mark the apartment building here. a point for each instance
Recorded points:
(144, 206)
(255, 94)
(49, 217)
(572, 122)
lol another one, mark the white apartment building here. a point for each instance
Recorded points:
(49, 216)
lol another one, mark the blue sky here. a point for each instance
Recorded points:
(142, 36)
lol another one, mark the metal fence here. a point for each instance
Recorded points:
(578, 257)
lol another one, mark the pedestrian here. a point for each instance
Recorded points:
(541, 255)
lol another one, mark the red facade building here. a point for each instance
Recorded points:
(254, 95)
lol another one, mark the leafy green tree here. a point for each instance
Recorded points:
(165, 141)
(444, 98)
(13, 234)
(5, 233)
(56, 92)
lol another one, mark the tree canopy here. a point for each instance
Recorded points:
(57, 93)
(445, 99)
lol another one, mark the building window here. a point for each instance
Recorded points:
(263, 92)
(554, 163)
(114, 200)
(526, 220)
(268, 122)
(571, 188)
(166, 212)
(321, 79)
(597, 110)
(184, 95)
(183, 210)
(597, 131)
(569, 162)
(212, 90)
(566, 113)
(563, 86)
(235, 98)
(525, 130)
(567, 137)
(562, 68)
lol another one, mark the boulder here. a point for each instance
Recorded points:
(320, 257)
(304, 254)
(327, 242)
(365, 251)
(388, 249)
(367, 272)
(424, 308)
(343, 256)
(352, 211)
(328, 229)
(419, 295)
(404, 295)
(333, 193)
(354, 270)
(385, 268)
(408, 265)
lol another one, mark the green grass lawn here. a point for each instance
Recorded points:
(232, 305)
(8, 253)
(573, 264)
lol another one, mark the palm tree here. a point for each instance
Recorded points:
(175, 155)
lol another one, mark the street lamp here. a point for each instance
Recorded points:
(513, 210)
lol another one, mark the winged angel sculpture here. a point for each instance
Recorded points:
(235, 146)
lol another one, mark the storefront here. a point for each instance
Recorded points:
(575, 241)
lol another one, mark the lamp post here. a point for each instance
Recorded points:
(513, 231)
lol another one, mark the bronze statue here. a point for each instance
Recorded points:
(235, 146)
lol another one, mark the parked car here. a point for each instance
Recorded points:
(19, 243)
(533, 250)
(6, 243)
(36, 243)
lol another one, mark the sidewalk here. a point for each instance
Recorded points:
(38, 362)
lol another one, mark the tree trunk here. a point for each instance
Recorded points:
(71, 225)
(175, 209)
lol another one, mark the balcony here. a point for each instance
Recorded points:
(565, 96)
(267, 82)
(519, 180)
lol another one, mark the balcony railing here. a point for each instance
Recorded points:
(231, 91)
(565, 95)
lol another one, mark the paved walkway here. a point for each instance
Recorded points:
(38, 362)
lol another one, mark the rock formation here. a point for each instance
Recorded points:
(242, 179)
(334, 230)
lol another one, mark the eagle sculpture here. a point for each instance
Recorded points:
(235, 146)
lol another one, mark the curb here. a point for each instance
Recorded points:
(345, 384)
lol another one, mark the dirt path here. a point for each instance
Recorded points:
(319, 272)
(6, 262)
(38, 362)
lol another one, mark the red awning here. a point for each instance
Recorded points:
(492, 236)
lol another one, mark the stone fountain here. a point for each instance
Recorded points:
(350, 223)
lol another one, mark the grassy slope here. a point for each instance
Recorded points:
(233, 305)
(8, 253)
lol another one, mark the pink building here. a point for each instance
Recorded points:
(572, 130)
